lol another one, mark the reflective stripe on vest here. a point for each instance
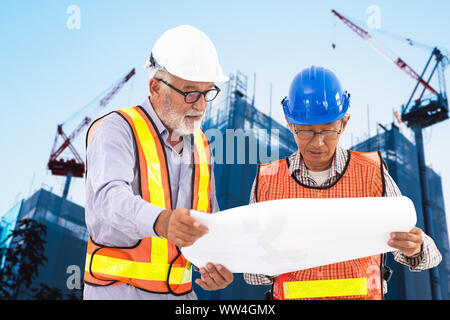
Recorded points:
(201, 199)
(325, 288)
(353, 279)
(153, 264)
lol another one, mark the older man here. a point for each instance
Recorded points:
(316, 110)
(147, 167)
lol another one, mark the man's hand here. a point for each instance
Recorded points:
(409, 243)
(179, 227)
(214, 277)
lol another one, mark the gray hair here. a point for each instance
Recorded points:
(163, 75)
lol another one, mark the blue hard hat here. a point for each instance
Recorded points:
(315, 96)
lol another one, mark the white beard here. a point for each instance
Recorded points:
(178, 123)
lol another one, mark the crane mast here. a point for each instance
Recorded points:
(417, 114)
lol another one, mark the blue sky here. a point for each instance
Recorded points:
(48, 71)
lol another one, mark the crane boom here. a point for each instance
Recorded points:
(111, 94)
(388, 54)
(68, 140)
(76, 166)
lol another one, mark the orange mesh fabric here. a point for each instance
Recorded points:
(362, 177)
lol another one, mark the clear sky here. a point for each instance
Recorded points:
(49, 71)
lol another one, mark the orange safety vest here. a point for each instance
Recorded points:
(153, 264)
(354, 279)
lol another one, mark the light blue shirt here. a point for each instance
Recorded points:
(116, 215)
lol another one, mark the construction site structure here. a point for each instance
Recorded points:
(266, 140)
(239, 121)
(400, 155)
(418, 113)
(66, 240)
(75, 167)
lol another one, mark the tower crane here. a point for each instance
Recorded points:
(422, 112)
(75, 167)
(418, 114)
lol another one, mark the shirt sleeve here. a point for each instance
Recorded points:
(253, 278)
(429, 256)
(111, 169)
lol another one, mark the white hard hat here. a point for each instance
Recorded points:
(188, 53)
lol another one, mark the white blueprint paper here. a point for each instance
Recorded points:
(279, 236)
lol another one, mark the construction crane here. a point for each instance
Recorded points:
(417, 114)
(413, 112)
(75, 167)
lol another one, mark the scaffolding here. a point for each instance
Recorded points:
(238, 121)
(236, 117)
(66, 238)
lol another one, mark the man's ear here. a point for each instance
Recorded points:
(344, 124)
(154, 88)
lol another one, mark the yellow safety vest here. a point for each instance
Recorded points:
(153, 264)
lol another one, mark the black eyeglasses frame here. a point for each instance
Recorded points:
(185, 94)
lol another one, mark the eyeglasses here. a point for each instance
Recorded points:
(193, 96)
(326, 134)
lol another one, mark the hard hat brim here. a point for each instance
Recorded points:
(197, 78)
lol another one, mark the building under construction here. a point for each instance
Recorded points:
(66, 241)
(237, 122)
(266, 140)
(400, 156)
